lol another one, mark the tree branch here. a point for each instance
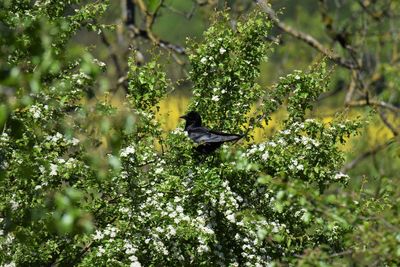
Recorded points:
(305, 37)
(388, 124)
(364, 155)
(372, 102)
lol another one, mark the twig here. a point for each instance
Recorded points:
(150, 18)
(305, 37)
(338, 254)
(364, 155)
(372, 102)
(388, 124)
(351, 88)
(161, 43)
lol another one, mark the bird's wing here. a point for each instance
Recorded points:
(204, 135)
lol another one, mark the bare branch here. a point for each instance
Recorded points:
(365, 155)
(305, 37)
(161, 43)
(388, 124)
(150, 18)
(372, 102)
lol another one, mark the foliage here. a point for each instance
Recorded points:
(84, 183)
(225, 68)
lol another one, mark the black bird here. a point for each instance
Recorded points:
(208, 140)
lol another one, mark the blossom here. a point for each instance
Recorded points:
(215, 98)
(158, 170)
(231, 218)
(100, 251)
(98, 235)
(74, 141)
(340, 175)
(53, 169)
(300, 167)
(135, 264)
(179, 209)
(36, 112)
(98, 62)
(203, 60)
(265, 156)
(38, 187)
(172, 230)
(14, 204)
(222, 50)
(127, 151)
(273, 144)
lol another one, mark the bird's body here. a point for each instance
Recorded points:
(207, 139)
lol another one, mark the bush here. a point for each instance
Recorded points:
(85, 182)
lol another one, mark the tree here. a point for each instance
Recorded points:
(87, 182)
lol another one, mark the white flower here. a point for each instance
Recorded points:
(340, 175)
(55, 137)
(203, 248)
(265, 156)
(281, 141)
(42, 169)
(297, 77)
(222, 50)
(215, 98)
(273, 144)
(14, 204)
(135, 264)
(98, 235)
(203, 60)
(129, 249)
(101, 251)
(98, 62)
(315, 142)
(127, 151)
(158, 170)
(300, 167)
(74, 141)
(53, 169)
(172, 230)
(252, 150)
(113, 233)
(38, 187)
(36, 112)
(231, 218)
(261, 147)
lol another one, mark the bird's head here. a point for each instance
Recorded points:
(193, 118)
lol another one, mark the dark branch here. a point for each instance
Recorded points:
(305, 37)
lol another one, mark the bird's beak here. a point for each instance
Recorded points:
(183, 117)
